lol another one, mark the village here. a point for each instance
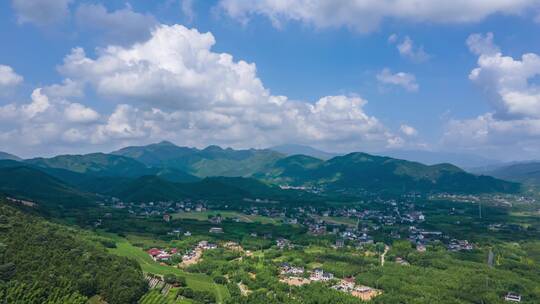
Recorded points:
(367, 228)
(350, 226)
(297, 276)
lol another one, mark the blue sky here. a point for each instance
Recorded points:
(335, 66)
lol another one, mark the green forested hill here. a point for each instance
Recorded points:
(54, 188)
(41, 262)
(211, 161)
(107, 165)
(25, 182)
(528, 172)
(4, 155)
(376, 173)
(153, 188)
(96, 163)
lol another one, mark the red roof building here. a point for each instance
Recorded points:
(154, 251)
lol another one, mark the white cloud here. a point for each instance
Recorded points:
(76, 112)
(40, 103)
(173, 69)
(68, 88)
(506, 80)
(42, 123)
(482, 44)
(41, 12)
(174, 86)
(123, 26)
(366, 15)
(513, 128)
(503, 139)
(8, 77)
(408, 49)
(408, 130)
(404, 80)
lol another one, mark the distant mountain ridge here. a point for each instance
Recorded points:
(211, 161)
(523, 172)
(377, 173)
(101, 164)
(164, 171)
(461, 160)
(293, 149)
(58, 187)
(5, 155)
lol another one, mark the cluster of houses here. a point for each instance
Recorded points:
(494, 199)
(317, 275)
(289, 270)
(282, 243)
(159, 208)
(193, 256)
(294, 275)
(321, 275)
(460, 245)
(421, 237)
(165, 255)
(349, 286)
(162, 255)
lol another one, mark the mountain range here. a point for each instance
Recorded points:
(522, 172)
(164, 171)
(4, 155)
(211, 161)
(293, 149)
(377, 173)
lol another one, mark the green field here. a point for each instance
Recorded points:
(203, 216)
(194, 280)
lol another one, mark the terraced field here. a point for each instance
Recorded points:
(155, 297)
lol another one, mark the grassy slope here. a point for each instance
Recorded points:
(194, 281)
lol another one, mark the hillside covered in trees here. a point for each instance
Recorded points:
(42, 262)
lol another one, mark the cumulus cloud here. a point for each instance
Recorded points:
(123, 26)
(8, 77)
(402, 79)
(41, 12)
(42, 122)
(366, 15)
(506, 80)
(76, 112)
(68, 88)
(174, 86)
(514, 124)
(504, 139)
(408, 130)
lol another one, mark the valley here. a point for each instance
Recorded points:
(294, 229)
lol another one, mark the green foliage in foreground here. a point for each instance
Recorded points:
(438, 276)
(41, 262)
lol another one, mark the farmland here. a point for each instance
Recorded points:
(203, 216)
